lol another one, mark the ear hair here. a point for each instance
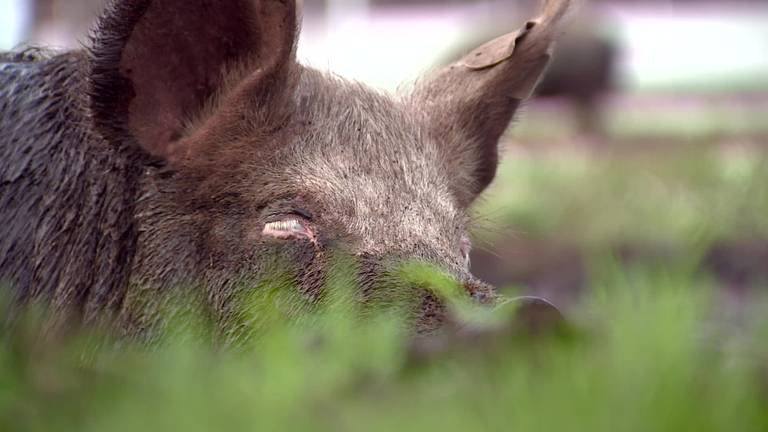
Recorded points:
(157, 63)
(107, 88)
(471, 102)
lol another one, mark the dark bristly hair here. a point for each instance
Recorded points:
(186, 145)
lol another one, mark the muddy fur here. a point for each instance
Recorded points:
(67, 196)
(155, 157)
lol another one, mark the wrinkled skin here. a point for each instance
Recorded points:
(187, 147)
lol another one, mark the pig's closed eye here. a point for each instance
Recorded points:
(290, 228)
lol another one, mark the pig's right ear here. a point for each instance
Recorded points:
(157, 63)
(471, 102)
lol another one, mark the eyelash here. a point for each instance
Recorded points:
(285, 225)
(289, 228)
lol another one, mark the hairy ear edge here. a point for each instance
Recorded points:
(472, 102)
(156, 63)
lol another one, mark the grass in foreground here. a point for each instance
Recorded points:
(646, 355)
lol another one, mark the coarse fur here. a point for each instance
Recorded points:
(67, 195)
(156, 158)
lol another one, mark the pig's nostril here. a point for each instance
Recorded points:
(481, 292)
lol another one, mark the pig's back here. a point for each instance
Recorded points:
(35, 130)
(56, 192)
(35, 112)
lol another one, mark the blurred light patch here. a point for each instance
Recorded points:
(720, 46)
(695, 47)
(712, 46)
(383, 47)
(14, 22)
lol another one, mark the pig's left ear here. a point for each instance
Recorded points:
(155, 64)
(471, 102)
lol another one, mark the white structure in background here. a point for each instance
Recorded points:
(385, 47)
(694, 46)
(60, 24)
(686, 45)
(15, 20)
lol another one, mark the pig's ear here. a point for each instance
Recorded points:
(157, 63)
(472, 102)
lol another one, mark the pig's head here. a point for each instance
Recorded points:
(251, 155)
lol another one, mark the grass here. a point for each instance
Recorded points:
(643, 355)
(669, 197)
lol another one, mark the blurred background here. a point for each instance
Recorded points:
(647, 142)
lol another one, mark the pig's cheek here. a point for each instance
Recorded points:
(312, 268)
(225, 237)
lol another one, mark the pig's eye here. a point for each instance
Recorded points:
(287, 229)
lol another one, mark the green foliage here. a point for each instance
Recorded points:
(672, 199)
(641, 358)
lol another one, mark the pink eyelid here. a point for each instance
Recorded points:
(288, 229)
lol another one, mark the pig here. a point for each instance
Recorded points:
(186, 146)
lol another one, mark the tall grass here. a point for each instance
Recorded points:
(644, 354)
